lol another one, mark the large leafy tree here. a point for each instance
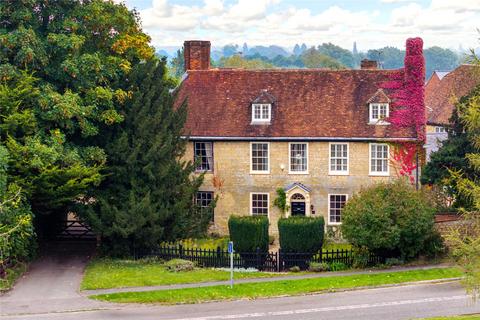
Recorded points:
(62, 72)
(343, 56)
(312, 58)
(465, 237)
(148, 194)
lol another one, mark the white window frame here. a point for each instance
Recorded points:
(268, 203)
(439, 129)
(378, 173)
(251, 158)
(197, 169)
(262, 120)
(378, 121)
(290, 158)
(329, 207)
(338, 172)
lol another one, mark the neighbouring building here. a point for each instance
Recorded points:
(442, 91)
(320, 135)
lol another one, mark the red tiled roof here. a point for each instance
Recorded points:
(313, 103)
(441, 95)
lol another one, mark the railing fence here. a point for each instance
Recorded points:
(264, 261)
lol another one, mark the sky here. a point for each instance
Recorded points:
(371, 23)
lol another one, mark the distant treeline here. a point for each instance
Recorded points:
(326, 55)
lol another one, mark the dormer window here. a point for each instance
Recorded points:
(261, 112)
(378, 113)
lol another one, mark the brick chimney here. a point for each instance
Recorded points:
(196, 54)
(368, 64)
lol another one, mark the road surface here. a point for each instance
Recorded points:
(404, 302)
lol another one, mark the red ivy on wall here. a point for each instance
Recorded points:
(408, 106)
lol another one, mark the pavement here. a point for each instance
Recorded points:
(50, 291)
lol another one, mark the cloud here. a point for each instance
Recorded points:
(447, 23)
(395, 1)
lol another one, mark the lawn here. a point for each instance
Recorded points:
(12, 275)
(112, 273)
(277, 288)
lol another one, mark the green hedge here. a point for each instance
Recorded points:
(301, 234)
(249, 233)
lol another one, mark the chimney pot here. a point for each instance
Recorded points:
(196, 54)
(368, 64)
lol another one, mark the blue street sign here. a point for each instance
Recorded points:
(230, 247)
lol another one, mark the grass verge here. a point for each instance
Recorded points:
(277, 288)
(112, 273)
(12, 275)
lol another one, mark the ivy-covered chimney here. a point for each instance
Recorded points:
(196, 54)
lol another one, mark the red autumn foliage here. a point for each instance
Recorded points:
(408, 105)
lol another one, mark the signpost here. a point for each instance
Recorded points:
(230, 250)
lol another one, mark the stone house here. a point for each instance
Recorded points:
(442, 91)
(320, 135)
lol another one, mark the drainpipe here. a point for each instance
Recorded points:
(416, 172)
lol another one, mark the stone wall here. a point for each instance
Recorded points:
(232, 181)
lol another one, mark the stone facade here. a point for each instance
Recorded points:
(233, 182)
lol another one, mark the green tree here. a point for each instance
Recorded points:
(312, 58)
(437, 58)
(54, 123)
(147, 196)
(16, 229)
(388, 57)
(177, 64)
(391, 219)
(343, 56)
(237, 61)
(452, 156)
(464, 239)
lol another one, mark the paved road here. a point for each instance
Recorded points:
(52, 282)
(404, 302)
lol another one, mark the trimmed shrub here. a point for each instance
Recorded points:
(249, 233)
(176, 265)
(389, 219)
(318, 267)
(301, 234)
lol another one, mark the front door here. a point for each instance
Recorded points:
(298, 208)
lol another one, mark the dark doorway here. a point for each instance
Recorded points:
(298, 208)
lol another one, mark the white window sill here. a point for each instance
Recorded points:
(379, 123)
(379, 174)
(338, 173)
(334, 224)
(265, 122)
(259, 172)
(203, 171)
(298, 172)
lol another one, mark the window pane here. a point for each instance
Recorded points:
(203, 153)
(379, 158)
(298, 157)
(339, 157)
(260, 156)
(259, 204)
(337, 202)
